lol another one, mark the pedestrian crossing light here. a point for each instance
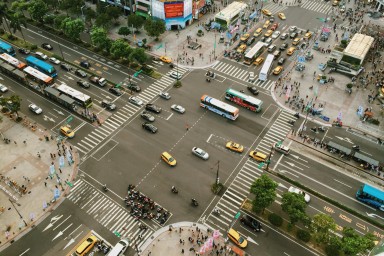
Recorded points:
(117, 233)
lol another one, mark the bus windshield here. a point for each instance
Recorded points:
(219, 107)
(244, 100)
(254, 53)
(7, 48)
(266, 68)
(371, 196)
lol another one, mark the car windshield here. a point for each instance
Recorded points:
(241, 240)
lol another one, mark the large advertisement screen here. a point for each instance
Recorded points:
(173, 10)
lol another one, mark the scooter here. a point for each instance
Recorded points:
(208, 79)
(297, 115)
(105, 188)
(314, 129)
(174, 190)
(356, 147)
(291, 122)
(321, 128)
(194, 202)
(216, 211)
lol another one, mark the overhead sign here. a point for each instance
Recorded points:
(173, 10)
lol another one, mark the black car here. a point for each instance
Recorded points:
(281, 61)
(147, 116)
(115, 91)
(149, 127)
(47, 46)
(134, 87)
(80, 73)
(85, 64)
(283, 46)
(253, 90)
(65, 66)
(250, 41)
(263, 39)
(108, 105)
(293, 35)
(83, 83)
(153, 108)
(251, 223)
(24, 51)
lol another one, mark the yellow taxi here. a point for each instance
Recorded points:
(67, 131)
(234, 146)
(244, 37)
(296, 41)
(258, 61)
(258, 32)
(278, 70)
(291, 50)
(237, 238)
(266, 24)
(258, 156)
(86, 245)
(168, 159)
(308, 35)
(165, 59)
(266, 12)
(281, 16)
(242, 48)
(268, 33)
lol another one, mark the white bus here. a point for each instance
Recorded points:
(80, 98)
(38, 76)
(12, 61)
(266, 68)
(219, 107)
(254, 53)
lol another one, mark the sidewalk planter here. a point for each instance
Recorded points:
(200, 32)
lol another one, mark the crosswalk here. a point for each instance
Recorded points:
(238, 190)
(317, 6)
(275, 8)
(241, 74)
(107, 212)
(123, 114)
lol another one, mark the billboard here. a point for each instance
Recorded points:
(174, 9)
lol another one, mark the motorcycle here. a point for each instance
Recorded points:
(174, 190)
(194, 202)
(208, 79)
(314, 129)
(337, 124)
(356, 147)
(297, 115)
(105, 188)
(291, 122)
(216, 211)
(321, 128)
(143, 227)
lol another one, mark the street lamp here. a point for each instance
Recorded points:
(21, 217)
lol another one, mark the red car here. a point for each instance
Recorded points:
(274, 26)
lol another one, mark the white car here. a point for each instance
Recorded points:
(200, 153)
(268, 41)
(41, 55)
(176, 75)
(165, 95)
(178, 108)
(251, 77)
(3, 88)
(35, 109)
(276, 34)
(292, 28)
(292, 189)
(54, 60)
(136, 101)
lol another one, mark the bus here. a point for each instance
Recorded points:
(38, 76)
(243, 100)
(371, 196)
(254, 53)
(7, 48)
(81, 99)
(12, 61)
(219, 107)
(41, 65)
(266, 68)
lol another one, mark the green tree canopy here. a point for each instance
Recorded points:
(58, 20)
(154, 28)
(120, 49)
(72, 27)
(321, 227)
(138, 54)
(113, 12)
(12, 103)
(264, 189)
(20, 5)
(124, 31)
(37, 9)
(99, 37)
(103, 20)
(90, 15)
(71, 6)
(136, 21)
(353, 243)
(16, 19)
(294, 205)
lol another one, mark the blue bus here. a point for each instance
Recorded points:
(41, 65)
(6, 48)
(371, 196)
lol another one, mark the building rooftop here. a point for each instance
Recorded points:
(231, 10)
(359, 46)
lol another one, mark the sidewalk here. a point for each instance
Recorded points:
(175, 239)
(25, 167)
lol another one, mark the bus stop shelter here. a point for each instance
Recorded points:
(363, 158)
(338, 147)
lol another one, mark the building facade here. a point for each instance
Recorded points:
(177, 14)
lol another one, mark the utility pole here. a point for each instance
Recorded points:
(217, 173)
(269, 158)
(21, 217)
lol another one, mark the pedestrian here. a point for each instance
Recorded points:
(181, 241)
(70, 148)
(60, 170)
(54, 156)
(182, 251)
(51, 155)
(45, 183)
(25, 142)
(38, 155)
(15, 142)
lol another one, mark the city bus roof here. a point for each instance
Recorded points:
(373, 191)
(244, 96)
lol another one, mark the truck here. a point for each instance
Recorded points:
(98, 80)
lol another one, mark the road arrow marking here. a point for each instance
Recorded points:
(295, 156)
(291, 164)
(251, 240)
(63, 222)
(53, 220)
(281, 185)
(374, 215)
(48, 227)
(69, 243)
(59, 112)
(210, 136)
(62, 232)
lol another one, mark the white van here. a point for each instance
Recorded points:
(119, 248)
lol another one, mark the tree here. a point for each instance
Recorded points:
(264, 190)
(124, 31)
(4, 14)
(72, 28)
(71, 6)
(154, 28)
(136, 21)
(321, 227)
(120, 49)
(89, 14)
(99, 37)
(113, 12)
(37, 9)
(12, 103)
(19, 5)
(294, 205)
(58, 20)
(16, 19)
(353, 243)
(103, 20)
(138, 54)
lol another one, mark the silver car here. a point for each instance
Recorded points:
(165, 95)
(176, 75)
(54, 60)
(200, 153)
(136, 101)
(178, 108)
(3, 88)
(35, 109)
